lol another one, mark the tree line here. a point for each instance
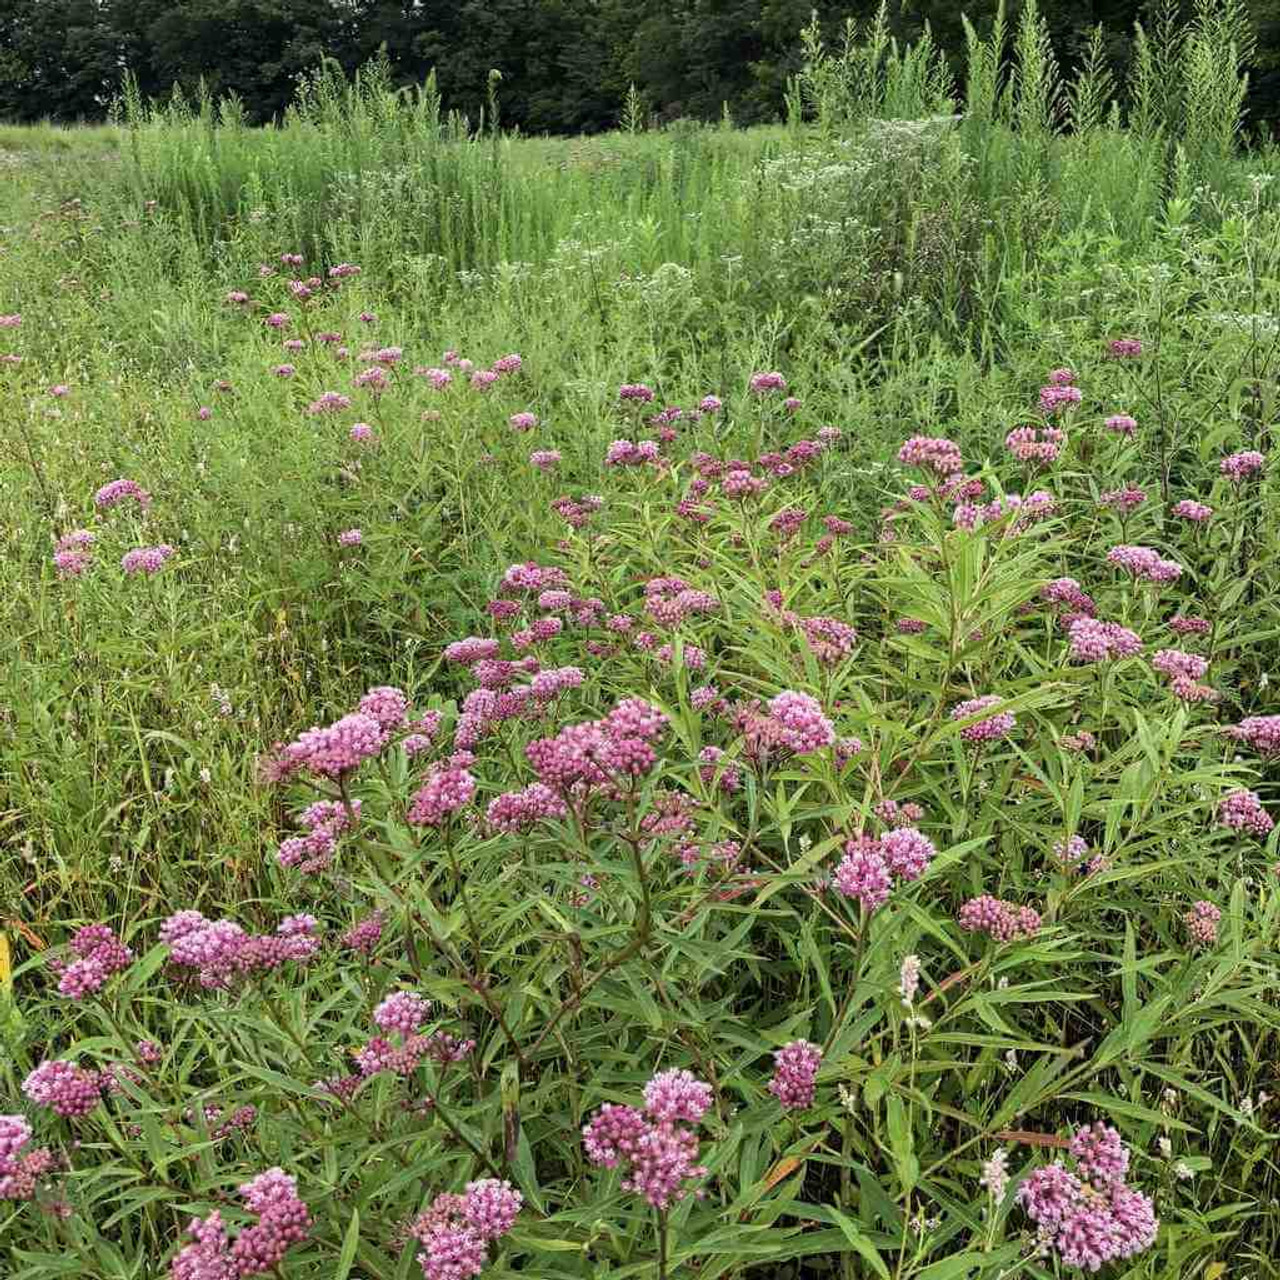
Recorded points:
(566, 65)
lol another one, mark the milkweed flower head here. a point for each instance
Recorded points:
(99, 955)
(863, 873)
(804, 726)
(448, 789)
(1056, 397)
(147, 560)
(334, 750)
(118, 491)
(1239, 467)
(1202, 923)
(1124, 348)
(657, 1146)
(932, 453)
(283, 1220)
(635, 392)
(1035, 444)
(1144, 563)
(1125, 501)
(763, 383)
(907, 852)
(1095, 641)
(1242, 811)
(66, 1089)
(999, 920)
(1120, 424)
(1262, 733)
(20, 1172)
(795, 1074)
(1193, 512)
(72, 554)
(988, 729)
(1090, 1217)
(403, 1011)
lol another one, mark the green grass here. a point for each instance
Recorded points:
(905, 280)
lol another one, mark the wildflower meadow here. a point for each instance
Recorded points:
(692, 704)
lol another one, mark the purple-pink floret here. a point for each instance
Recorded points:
(1242, 811)
(657, 1149)
(99, 954)
(795, 1074)
(1090, 1217)
(66, 1089)
(988, 729)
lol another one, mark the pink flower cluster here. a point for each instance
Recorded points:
(1195, 512)
(71, 554)
(1239, 467)
(1069, 593)
(829, 639)
(761, 383)
(1125, 501)
(148, 560)
(1035, 444)
(988, 729)
(656, 1146)
(1056, 397)
(118, 491)
(1242, 811)
(870, 865)
(220, 950)
(99, 954)
(802, 725)
(20, 1173)
(448, 788)
(628, 453)
(1262, 733)
(795, 1074)
(456, 1231)
(1037, 505)
(600, 752)
(335, 750)
(283, 1221)
(1002, 921)
(1094, 641)
(1120, 424)
(1144, 563)
(1090, 1217)
(324, 821)
(1202, 923)
(66, 1089)
(1185, 670)
(1124, 348)
(932, 453)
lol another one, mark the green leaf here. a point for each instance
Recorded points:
(350, 1243)
(864, 1248)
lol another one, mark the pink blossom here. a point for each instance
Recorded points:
(1195, 512)
(1000, 725)
(932, 453)
(1242, 811)
(1238, 467)
(796, 1073)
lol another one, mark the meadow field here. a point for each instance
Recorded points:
(693, 703)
